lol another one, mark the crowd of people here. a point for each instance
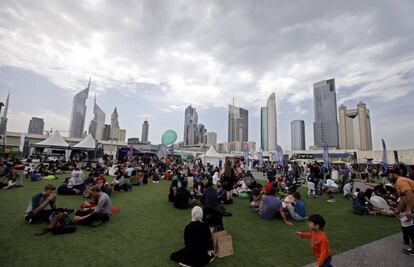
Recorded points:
(207, 189)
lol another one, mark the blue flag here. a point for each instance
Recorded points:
(384, 161)
(279, 154)
(325, 156)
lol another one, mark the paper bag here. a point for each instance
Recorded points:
(223, 244)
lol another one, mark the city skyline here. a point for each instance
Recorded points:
(156, 62)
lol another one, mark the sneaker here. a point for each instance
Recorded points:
(408, 251)
(331, 200)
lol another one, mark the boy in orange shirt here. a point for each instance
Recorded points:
(319, 240)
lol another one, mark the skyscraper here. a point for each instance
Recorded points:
(145, 131)
(114, 120)
(114, 125)
(3, 119)
(325, 127)
(77, 121)
(268, 125)
(264, 144)
(98, 122)
(297, 135)
(355, 127)
(238, 126)
(212, 139)
(190, 126)
(201, 134)
(36, 126)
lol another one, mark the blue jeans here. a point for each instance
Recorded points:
(327, 262)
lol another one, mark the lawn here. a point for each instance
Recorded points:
(147, 229)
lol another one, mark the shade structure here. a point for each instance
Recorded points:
(88, 143)
(212, 157)
(53, 141)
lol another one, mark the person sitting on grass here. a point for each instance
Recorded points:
(348, 190)
(183, 198)
(330, 187)
(36, 210)
(271, 206)
(319, 240)
(256, 197)
(198, 188)
(290, 203)
(12, 179)
(173, 190)
(198, 250)
(101, 213)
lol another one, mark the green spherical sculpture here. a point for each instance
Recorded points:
(169, 137)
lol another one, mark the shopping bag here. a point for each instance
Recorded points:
(223, 244)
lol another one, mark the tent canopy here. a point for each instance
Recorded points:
(88, 143)
(53, 141)
(212, 153)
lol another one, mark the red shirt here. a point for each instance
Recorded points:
(268, 186)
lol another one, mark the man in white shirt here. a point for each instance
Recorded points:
(348, 190)
(330, 187)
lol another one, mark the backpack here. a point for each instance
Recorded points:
(59, 224)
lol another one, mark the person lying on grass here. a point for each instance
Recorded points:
(101, 213)
(36, 210)
(319, 240)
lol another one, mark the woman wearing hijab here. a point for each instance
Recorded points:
(198, 250)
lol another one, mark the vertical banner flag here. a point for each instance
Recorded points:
(279, 154)
(260, 155)
(384, 161)
(325, 156)
(172, 150)
(164, 151)
(246, 153)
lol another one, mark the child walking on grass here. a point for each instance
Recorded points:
(319, 240)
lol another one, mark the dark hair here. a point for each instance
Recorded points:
(209, 184)
(184, 184)
(318, 220)
(296, 195)
(357, 190)
(272, 192)
(50, 187)
(402, 169)
(174, 182)
(259, 185)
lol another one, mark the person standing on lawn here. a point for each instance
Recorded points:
(319, 240)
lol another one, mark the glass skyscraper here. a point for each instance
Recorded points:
(238, 126)
(325, 127)
(268, 127)
(297, 135)
(77, 121)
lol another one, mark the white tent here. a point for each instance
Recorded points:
(212, 157)
(53, 141)
(88, 143)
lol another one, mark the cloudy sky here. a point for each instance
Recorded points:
(151, 59)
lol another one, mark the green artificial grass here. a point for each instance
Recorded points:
(148, 229)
